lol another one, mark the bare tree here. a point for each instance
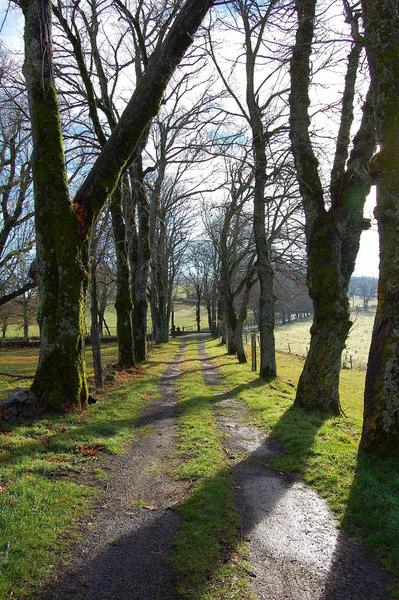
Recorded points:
(334, 216)
(262, 116)
(63, 228)
(16, 210)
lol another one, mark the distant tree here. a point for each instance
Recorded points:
(366, 288)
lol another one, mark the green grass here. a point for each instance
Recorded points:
(23, 361)
(49, 469)
(184, 317)
(295, 337)
(362, 490)
(208, 558)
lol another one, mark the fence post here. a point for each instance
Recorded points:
(253, 350)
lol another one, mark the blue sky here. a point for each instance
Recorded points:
(367, 261)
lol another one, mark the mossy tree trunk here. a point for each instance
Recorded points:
(63, 229)
(142, 261)
(60, 381)
(123, 302)
(381, 410)
(333, 234)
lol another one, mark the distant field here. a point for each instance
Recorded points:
(184, 317)
(295, 338)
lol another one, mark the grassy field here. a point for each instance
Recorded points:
(362, 490)
(49, 471)
(295, 338)
(49, 475)
(184, 317)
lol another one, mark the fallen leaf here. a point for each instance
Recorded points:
(86, 450)
(149, 506)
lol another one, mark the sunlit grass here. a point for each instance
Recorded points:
(48, 472)
(206, 541)
(361, 489)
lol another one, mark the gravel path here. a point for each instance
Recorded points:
(125, 552)
(296, 549)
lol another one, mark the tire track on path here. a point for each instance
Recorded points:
(127, 539)
(296, 548)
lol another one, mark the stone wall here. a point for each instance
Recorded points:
(20, 403)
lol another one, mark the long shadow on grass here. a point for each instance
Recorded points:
(371, 515)
(210, 533)
(350, 575)
(208, 536)
(48, 435)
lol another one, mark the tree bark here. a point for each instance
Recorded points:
(95, 337)
(142, 266)
(123, 303)
(381, 410)
(60, 379)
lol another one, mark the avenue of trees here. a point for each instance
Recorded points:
(222, 146)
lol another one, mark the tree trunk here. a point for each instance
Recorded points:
(123, 302)
(209, 316)
(230, 321)
(198, 313)
(101, 322)
(332, 234)
(381, 413)
(318, 385)
(62, 254)
(242, 357)
(63, 229)
(25, 309)
(242, 315)
(95, 337)
(267, 369)
(142, 267)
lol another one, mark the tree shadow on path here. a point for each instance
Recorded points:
(296, 550)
